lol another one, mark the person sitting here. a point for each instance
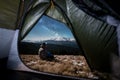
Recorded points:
(44, 54)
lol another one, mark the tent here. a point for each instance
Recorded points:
(94, 24)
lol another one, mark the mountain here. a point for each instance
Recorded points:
(57, 41)
(62, 39)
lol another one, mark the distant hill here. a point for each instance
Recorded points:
(56, 47)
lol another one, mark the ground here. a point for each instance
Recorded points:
(69, 65)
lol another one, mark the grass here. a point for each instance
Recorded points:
(70, 65)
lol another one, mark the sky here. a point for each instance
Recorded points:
(47, 29)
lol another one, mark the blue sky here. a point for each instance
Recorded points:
(47, 29)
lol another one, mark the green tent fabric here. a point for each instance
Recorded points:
(8, 13)
(33, 15)
(97, 39)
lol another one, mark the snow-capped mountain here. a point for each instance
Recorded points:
(62, 39)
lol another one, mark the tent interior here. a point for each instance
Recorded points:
(94, 25)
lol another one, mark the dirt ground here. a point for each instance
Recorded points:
(69, 65)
